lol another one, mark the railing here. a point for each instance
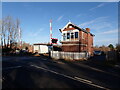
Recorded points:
(69, 55)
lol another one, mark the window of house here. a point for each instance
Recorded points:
(72, 35)
(68, 35)
(76, 34)
(64, 37)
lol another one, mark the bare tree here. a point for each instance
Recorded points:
(9, 31)
(102, 48)
(3, 33)
(16, 33)
(1, 36)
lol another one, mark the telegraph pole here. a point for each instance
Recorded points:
(50, 31)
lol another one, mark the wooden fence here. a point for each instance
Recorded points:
(69, 55)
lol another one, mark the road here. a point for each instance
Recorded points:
(42, 72)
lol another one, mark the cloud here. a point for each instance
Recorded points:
(59, 18)
(79, 15)
(98, 6)
(110, 32)
(106, 41)
(106, 37)
(105, 31)
(97, 23)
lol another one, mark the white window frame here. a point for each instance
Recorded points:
(63, 36)
(71, 35)
(78, 34)
(71, 31)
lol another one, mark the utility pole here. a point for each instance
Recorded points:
(51, 37)
(50, 31)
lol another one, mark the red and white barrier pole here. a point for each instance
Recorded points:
(50, 31)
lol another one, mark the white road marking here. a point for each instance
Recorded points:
(75, 78)
(81, 79)
(11, 67)
(59, 62)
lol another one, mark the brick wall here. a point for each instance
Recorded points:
(85, 43)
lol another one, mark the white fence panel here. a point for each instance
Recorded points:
(69, 55)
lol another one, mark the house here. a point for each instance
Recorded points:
(41, 48)
(76, 39)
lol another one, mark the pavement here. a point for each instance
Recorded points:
(43, 72)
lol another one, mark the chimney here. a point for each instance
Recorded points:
(88, 29)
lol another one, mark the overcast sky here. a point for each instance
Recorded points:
(100, 17)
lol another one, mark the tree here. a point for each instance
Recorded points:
(111, 47)
(102, 48)
(9, 31)
(3, 33)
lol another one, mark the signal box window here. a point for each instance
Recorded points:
(68, 35)
(72, 35)
(76, 34)
(64, 37)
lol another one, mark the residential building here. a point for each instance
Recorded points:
(76, 39)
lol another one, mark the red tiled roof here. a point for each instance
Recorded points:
(67, 29)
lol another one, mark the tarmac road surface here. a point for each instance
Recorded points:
(42, 72)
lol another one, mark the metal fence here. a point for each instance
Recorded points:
(69, 55)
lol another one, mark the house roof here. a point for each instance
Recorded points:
(75, 26)
(66, 25)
